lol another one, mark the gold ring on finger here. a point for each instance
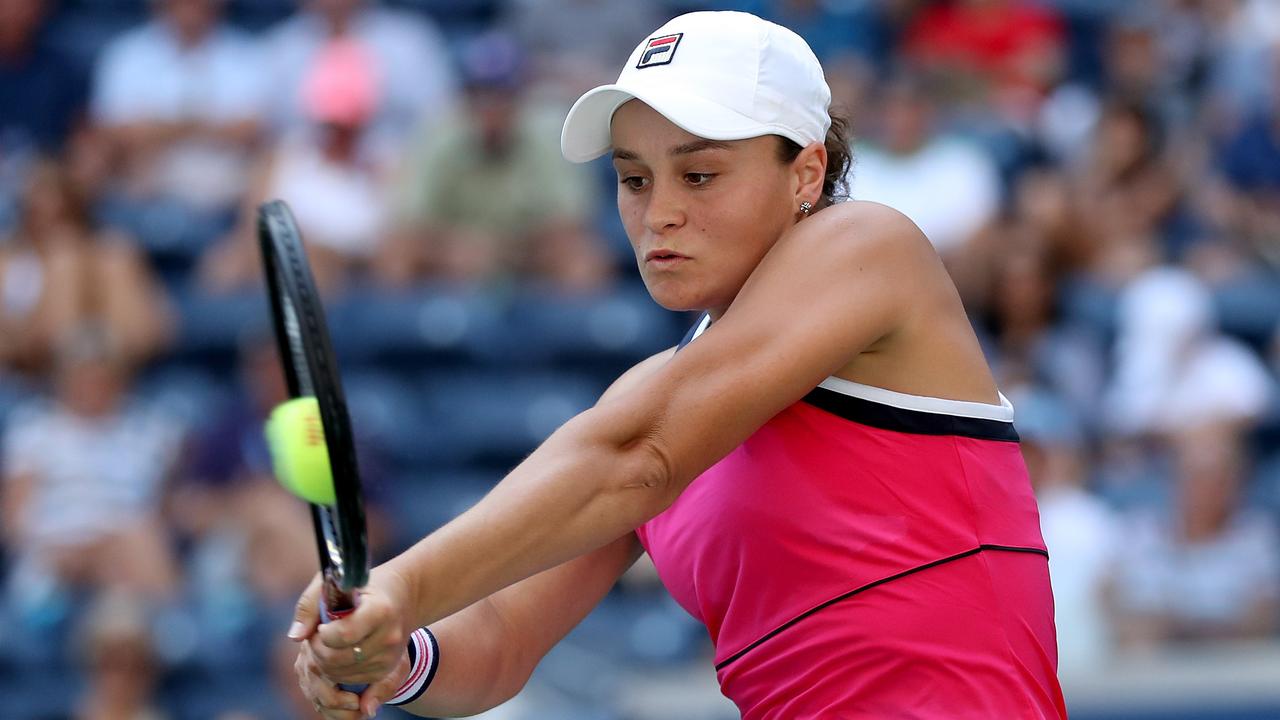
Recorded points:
(355, 650)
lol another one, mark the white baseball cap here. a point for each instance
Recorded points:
(718, 75)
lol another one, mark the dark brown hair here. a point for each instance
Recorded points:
(839, 158)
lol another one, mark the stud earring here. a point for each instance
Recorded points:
(805, 207)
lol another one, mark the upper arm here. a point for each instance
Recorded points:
(832, 287)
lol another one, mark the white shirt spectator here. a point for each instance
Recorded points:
(341, 207)
(1082, 535)
(417, 82)
(146, 75)
(1173, 371)
(92, 476)
(949, 187)
(1217, 581)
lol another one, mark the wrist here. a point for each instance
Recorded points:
(424, 659)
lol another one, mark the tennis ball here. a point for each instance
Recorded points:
(299, 455)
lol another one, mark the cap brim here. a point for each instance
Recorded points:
(587, 133)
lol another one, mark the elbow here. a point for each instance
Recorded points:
(647, 480)
(626, 452)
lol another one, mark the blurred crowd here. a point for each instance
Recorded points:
(1102, 180)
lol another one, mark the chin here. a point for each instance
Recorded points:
(674, 296)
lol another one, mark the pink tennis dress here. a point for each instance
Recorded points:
(869, 554)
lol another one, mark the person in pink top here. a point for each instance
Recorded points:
(824, 472)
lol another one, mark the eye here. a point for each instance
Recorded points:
(698, 179)
(635, 183)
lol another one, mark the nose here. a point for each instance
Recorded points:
(665, 210)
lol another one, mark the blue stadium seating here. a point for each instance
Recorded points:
(429, 326)
(606, 332)
(494, 418)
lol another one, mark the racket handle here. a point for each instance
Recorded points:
(327, 616)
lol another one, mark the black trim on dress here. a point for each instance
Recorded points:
(888, 417)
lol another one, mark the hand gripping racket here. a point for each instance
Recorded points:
(310, 369)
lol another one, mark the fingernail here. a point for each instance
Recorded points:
(296, 630)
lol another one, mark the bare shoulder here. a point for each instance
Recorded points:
(859, 229)
(854, 239)
(638, 373)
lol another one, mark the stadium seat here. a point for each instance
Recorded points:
(494, 418)
(1249, 308)
(384, 410)
(184, 392)
(422, 502)
(454, 16)
(430, 326)
(211, 327)
(607, 332)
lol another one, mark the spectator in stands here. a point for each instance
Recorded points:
(42, 91)
(119, 661)
(1042, 214)
(1173, 370)
(57, 272)
(334, 184)
(1209, 568)
(84, 473)
(180, 100)
(834, 31)
(576, 44)
(42, 97)
(1243, 62)
(947, 185)
(1030, 342)
(1010, 51)
(1082, 533)
(488, 196)
(1131, 190)
(1138, 66)
(410, 62)
(1250, 161)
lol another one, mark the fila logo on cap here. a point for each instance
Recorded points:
(659, 51)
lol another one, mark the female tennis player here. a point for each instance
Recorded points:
(824, 472)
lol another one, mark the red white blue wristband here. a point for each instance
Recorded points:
(424, 658)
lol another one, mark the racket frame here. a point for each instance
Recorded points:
(310, 369)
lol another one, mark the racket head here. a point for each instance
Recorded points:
(310, 369)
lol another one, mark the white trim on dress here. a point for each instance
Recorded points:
(921, 403)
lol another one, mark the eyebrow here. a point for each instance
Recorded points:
(685, 149)
(699, 146)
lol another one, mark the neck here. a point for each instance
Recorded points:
(189, 38)
(340, 24)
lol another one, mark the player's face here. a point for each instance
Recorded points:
(700, 215)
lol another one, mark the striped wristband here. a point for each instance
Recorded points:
(424, 658)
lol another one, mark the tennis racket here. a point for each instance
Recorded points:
(310, 369)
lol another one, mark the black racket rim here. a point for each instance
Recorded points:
(310, 368)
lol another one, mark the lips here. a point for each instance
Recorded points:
(663, 254)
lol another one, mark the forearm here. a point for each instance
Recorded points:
(480, 672)
(489, 650)
(589, 484)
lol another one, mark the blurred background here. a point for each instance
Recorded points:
(1102, 179)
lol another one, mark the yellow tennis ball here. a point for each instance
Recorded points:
(295, 436)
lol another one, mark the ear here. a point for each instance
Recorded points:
(810, 172)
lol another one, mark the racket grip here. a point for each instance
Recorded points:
(325, 617)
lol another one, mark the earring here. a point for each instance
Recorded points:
(805, 207)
